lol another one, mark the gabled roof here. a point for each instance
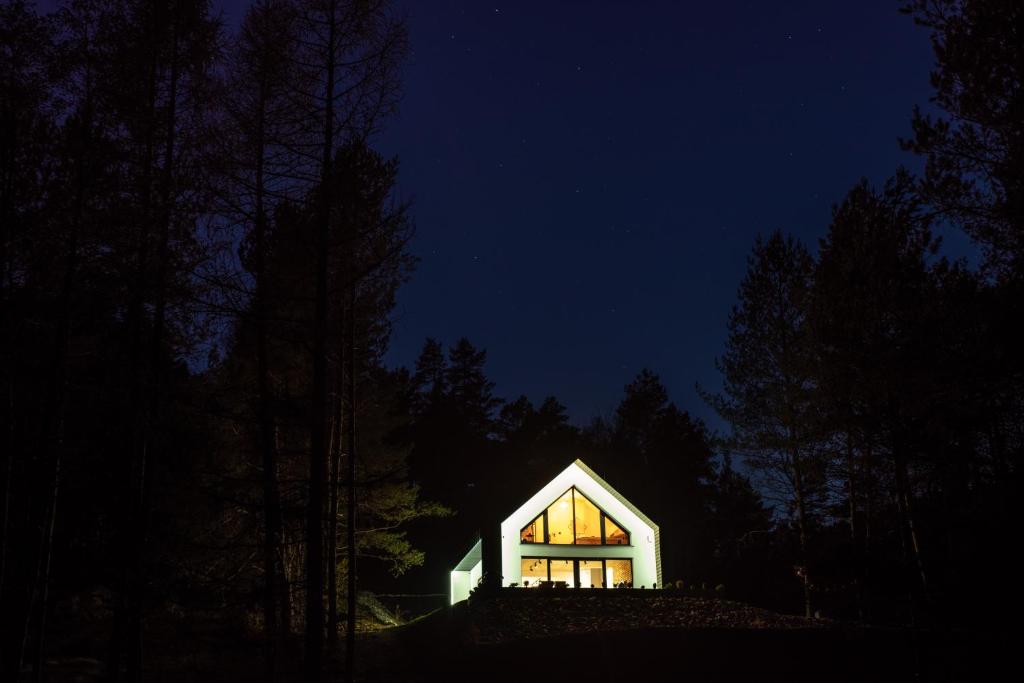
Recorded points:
(600, 482)
(538, 501)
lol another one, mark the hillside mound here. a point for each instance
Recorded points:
(526, 614)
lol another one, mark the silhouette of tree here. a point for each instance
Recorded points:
(974, 160)
(663, 459)
(259, 113)
(871, 294)
(768, 393)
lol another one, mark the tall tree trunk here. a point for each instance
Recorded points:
(8, 145)
(801, 515)
(314, 636)
(144, 481)
(8, 481)
(273, 627)
(136, 415)
(869, 491)
(44, 578)
(285, 593)
(801, 521)
(851, 491)
(54, 409)
(332, 520)
(52, 439)
(905, 507)
(350, 516)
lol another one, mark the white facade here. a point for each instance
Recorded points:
(582, 564)
(466, 574)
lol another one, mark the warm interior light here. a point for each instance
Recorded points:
(574, 519)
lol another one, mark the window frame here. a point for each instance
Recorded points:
(572, 490)
(576, 567)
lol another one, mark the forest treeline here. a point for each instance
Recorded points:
(200, 252)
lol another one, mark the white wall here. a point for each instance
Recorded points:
(641, 536)
(460, 586)
(463, 582)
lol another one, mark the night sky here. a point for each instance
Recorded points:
(589, 177)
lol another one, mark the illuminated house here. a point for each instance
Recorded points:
(576, 531)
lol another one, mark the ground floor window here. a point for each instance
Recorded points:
(588, 573)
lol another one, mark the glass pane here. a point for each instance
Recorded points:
(590, 574)
(618, 572)
(533, 532)
(560, 519)
(534, 571)
(613, 534)
(561, 570)
(588, 521)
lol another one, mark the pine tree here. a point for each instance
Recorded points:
(257, 164)
(974, 159)
(871, 301)
(768, 388)
(351, 55)
(664, 456)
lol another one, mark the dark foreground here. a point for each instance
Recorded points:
(595, 637)
(456, 644)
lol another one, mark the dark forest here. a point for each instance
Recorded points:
(209, 472)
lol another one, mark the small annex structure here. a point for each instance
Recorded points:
(576, 531)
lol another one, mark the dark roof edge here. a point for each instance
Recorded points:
(469, 560)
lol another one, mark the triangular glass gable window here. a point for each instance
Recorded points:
(534, 531)
(574, 520)
(613, 533)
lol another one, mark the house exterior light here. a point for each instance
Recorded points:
(578, 531)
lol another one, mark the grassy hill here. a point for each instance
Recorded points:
(653, 635)
(594, 636)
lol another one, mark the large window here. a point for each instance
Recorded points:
(573, 519)
(618, 573)
(533, 532)
(560, 520)
(589, 573)
(563, 571)
(534, 570)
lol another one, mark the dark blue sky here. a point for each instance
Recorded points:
(588, 177)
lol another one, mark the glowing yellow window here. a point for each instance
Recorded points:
(562, 571)
(560, 520)
(573, 519)
(588, 521)
(534, 531)
(619, 573)
(613, 535)
(590, 574)
(534, 570)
